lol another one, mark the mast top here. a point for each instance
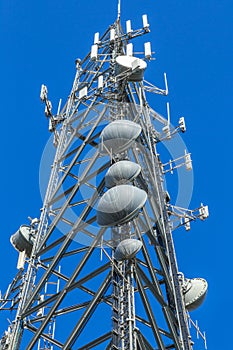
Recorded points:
(119, 10)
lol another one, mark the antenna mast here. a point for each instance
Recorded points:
(119, 10)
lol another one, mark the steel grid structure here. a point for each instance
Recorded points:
(72, 277)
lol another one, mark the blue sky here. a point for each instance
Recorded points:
(193, 43)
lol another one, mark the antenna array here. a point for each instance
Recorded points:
(104, 238)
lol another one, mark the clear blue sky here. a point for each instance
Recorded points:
(40, 41)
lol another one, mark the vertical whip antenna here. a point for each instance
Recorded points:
(119, 10)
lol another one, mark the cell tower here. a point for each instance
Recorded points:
(98, 269)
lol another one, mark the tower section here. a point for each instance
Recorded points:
(98, 269)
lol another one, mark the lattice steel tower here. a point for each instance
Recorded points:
(98, 269)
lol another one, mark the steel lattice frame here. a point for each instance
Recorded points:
(72, 277)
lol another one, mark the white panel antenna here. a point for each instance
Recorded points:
(51, 128)
(187, 224)
(188, 161)
(182, 124)
(145, 23)
(204, 212)
(128, 27)
(97, 38)
(43, 93)
(147, 47)
(129, 49)
(94, 52)
(83, 93)
(100, 82)
(112, 35)
(21, 260)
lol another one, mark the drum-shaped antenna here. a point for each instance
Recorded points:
(121, 173)
(127, 249)
(134, 66)
(22, 240)
(118, 136)
(119, 205)
(194, 292)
